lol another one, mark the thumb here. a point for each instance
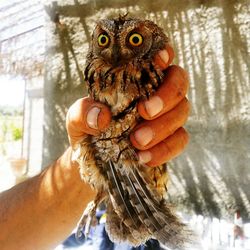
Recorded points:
(86, 116)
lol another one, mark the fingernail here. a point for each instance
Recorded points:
(144, 135)
(92, 117)
(154, 105)
(144, 156)
(164, 56)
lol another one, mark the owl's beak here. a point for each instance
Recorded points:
(115, 55)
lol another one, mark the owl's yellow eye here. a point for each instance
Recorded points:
(136, 39)
(103, 40)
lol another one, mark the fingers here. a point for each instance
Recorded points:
(149, 133)
(170, 93)
(165, 57)
(161, 137)
(166, 150)
(86, 116)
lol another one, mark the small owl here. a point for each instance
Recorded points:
(120, 71)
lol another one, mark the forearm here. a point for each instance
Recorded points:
(41, 212)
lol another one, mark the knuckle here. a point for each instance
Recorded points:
(167, 150)
(183, 137)
(178, 69)
(74, 119)
(187, 105)
(181, 75)
(178, 77)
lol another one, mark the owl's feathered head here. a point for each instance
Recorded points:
(118, 41)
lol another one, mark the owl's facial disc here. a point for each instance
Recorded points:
(118, 43)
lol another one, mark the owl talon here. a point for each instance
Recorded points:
(86, 220)
(79, 234)
(90, 221)
(88, 217)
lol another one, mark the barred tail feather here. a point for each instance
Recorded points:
(146, 213)
(172, 232)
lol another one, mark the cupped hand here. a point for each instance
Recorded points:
(160, 136)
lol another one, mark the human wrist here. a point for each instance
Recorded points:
(66, 176)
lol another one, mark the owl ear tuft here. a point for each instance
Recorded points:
(122, 18)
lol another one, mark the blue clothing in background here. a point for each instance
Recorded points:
(99, 240)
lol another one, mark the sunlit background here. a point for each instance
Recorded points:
(12, 92)
(22, 49)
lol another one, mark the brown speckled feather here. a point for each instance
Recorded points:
(119, 74)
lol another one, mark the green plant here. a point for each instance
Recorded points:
(16, 132)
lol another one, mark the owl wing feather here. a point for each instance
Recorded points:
(148, 207)
(116, 185)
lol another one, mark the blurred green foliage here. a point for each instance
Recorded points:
(11, 128)
(16, 132)
(10, 131)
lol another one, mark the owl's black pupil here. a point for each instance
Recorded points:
(103, 39)
(135, 39)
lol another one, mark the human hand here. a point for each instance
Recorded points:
(160, 137)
